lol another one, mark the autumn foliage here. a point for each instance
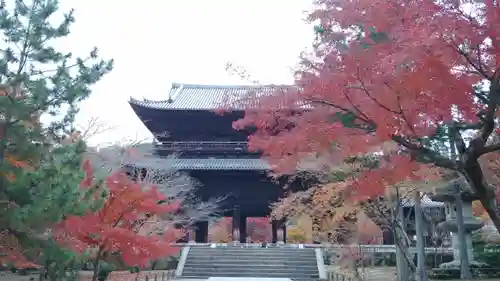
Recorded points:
(221, 231)
(258, 230)
(12, 252)
(385, 72)
(123, 225)
(334, 219)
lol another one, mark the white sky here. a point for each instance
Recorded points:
(157, 42)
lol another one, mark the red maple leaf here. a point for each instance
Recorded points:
(118, 226)
(12, 252)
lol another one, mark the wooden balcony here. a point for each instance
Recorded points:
(203, 147)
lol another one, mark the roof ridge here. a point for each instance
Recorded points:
(226, 86)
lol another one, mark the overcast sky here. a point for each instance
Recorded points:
(157, 42)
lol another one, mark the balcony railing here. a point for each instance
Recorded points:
(237, 146)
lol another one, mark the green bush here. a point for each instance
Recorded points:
(488, 253)
(104, 270)
(454, 273)
(431, 260)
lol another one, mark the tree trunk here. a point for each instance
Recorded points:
(421, 270)
(477, 181)
(95, 265)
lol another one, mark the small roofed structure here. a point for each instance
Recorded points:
(425, 200)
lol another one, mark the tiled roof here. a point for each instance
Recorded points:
(221, 164)
(205, 164)
(206, 97)
(426, 202)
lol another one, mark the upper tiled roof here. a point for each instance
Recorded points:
(206, 97)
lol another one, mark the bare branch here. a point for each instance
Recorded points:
(148, 169)
(93, 128)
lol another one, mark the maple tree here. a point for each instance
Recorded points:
(295, 235)
(414, 74)
(333, 221)
(127, 224)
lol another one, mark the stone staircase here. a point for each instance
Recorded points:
(238, 261)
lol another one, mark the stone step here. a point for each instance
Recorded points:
(284, 264)
(253, 268)
(267, 250)
(251, 262)
(252, 252)
(268, 262)
(198, 278)
(253, 248)
(233, 267)
(292, 275)
(251, 273)
(259, 254)
(250, 257)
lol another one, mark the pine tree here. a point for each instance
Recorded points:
(39, 171)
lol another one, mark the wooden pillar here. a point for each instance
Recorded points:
(274, 229)
(281, 233)
(243, 229)
(191, 234)
(284, 231)
(236, 223)
(201, 235)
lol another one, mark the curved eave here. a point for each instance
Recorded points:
(139, 109)
(152, 104)
(172, 106)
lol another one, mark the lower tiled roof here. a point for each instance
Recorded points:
(220, 164)
(201, 164)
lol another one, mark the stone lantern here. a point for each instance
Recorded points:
(446, 195)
